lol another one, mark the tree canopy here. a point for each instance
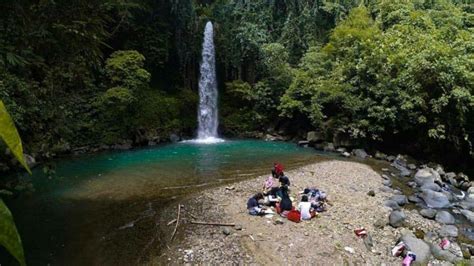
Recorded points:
(373, 70)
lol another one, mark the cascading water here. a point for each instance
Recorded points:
(207, 113)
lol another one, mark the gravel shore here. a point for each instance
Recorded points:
(328, 239)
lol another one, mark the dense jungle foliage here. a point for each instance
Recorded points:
(384, 73)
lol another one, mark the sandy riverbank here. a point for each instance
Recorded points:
(321, 241)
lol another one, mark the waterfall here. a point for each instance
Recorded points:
(207, 113)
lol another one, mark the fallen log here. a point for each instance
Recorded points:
(177, 223)
(212, 223)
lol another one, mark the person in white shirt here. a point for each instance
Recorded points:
(305, 209)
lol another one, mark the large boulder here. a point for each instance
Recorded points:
(401, 160)
(448, 231)
(414, 199)
(444, 217)
(428, 213)
(462, 177)
(315, 136)
(399, 199)
(439, 169)
(449, 175)
(455, 193)
(434, 199)
(467, 204)
(470, 193)
(360, 153)
(342, 139)
(403, 170)
(453, 181)
(329, 147)
(392, 204)
(426, 175)
(444, 255)
(380, 155)
(469, 215)
(386, 189)
(397, 218)
(417, 246)
(431, 186)
(468, 233)
(466, 185)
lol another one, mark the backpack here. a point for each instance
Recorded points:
(294, 216)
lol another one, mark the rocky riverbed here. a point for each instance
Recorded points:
(360, 197)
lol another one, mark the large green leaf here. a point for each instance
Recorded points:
(9, 237)
(10, 136)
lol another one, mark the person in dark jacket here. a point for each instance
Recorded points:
(253, 206)
(284, 181)
(285, 203)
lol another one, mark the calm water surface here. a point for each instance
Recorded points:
(102, 209)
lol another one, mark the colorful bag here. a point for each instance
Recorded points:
(294, 216)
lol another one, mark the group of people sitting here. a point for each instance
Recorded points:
(275, 194)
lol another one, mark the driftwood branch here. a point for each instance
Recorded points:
(177, 223)
(211, 223)
(192, 216)
(171, 222)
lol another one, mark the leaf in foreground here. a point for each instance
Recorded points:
(10, 136)
(9, 237)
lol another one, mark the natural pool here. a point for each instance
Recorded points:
(102, 209)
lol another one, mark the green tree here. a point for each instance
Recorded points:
(127, 80)
(408, 72)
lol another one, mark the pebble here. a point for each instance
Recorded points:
(387, 183)
(226, 231)
(349, 249)
(278, 221)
